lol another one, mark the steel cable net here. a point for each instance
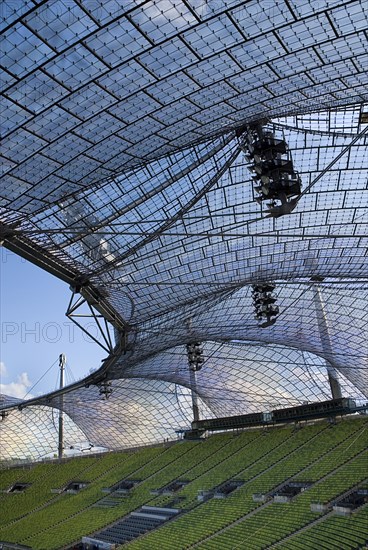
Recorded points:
(238, 378)
(184, 243)
(153, 400)
(342, 342)
(33, 433)
(123, 163)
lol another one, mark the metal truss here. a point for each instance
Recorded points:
(75, 313)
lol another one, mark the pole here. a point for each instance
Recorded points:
(193, 383)
(192, 379)
(326, 343)
(62, 361)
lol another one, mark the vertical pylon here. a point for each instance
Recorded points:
(324, 332)
(62, 362)
(192, 378)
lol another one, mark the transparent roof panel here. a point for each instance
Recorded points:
(60, 24)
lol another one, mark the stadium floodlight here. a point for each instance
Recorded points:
(270, 161)
(264, 304)
(105, 389)
(195, 356)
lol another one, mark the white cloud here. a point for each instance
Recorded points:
(18, 388)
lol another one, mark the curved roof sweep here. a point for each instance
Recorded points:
(125, 176)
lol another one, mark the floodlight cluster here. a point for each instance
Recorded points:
(195, 356)
(274, 176)
(264, 304)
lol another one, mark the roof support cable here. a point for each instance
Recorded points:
(173, 220)
(329, 166)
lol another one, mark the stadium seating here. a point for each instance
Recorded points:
(334, 532)
(334, 459)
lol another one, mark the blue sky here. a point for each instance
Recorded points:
(34, 330)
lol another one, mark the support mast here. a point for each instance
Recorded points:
(62, 361)
(192, 376)
(326, 342)
(193, 383)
